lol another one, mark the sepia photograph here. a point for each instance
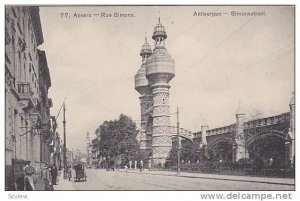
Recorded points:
(149, 98)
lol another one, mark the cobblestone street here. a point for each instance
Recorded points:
(99, 179)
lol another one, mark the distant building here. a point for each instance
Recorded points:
(70, 157)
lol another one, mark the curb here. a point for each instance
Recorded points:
(224, 179)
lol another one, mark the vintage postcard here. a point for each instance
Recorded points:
(158, 98)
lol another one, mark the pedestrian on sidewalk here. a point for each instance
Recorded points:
(46, 178)
(69, 173)
(135, 165)
(107, 165)
(149, 164)
(28, 179)
(112, 165)
(126, 168)
(130, 164)
(54, 174)
(141, 166)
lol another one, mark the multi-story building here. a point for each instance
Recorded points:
(45, 105)
(27, 80)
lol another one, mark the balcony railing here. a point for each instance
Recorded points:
(24, 90)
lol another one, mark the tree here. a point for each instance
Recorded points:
(254, 115)
(190, 151)
(117, 138)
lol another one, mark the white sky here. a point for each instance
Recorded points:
(218, 61)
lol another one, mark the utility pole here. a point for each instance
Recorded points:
(88, 148)
(178, 144)
(65, 146)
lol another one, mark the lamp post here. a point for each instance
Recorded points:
(65, 145)
(178, 144)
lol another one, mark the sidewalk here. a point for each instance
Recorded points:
(62, 184)
(267, 180)
(39, 185)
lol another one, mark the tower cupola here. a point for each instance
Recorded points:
(145, 50)
(159, 35)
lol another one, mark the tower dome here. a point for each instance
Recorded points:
(160, 65)
(141, 82)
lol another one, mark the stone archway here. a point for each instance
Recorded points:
(268, 149)
(221, 149)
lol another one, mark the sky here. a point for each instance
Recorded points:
(220, 62)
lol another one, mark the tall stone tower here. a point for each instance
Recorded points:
(151, 81)
(142, 85)
(159, 71)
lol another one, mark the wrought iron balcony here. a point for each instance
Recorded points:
(24, 90)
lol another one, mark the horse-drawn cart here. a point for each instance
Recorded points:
(79, 172)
